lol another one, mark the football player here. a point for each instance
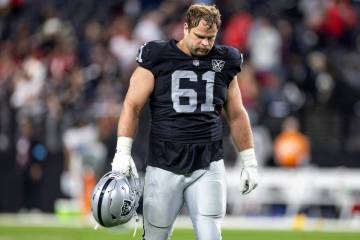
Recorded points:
(188, 83)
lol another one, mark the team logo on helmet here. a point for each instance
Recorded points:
(217, 65)
(126, 208)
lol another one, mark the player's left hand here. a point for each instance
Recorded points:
(248, 179)
(249, 172)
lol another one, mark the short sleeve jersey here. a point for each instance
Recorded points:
(189, 93)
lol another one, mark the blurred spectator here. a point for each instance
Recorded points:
(324, 81)
(7, 71)
(334, 19)
(313, 12)
(339, 17)
(291, 147)
(148, 28)
(61, 60)
(132, 8)
(263, 143)
(264, 45)
(237, 30)
(28, 84)
(92, 37)
(53, 126)
(122, 44)
(30, 160)
(250, 91)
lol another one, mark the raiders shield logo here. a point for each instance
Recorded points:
(126, 208)
(217, 65)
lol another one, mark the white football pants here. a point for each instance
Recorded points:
(203, 192)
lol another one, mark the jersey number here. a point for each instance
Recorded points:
(191, 94)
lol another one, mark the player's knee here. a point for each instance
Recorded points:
(214, 211)
(152, 232)
(212, 215)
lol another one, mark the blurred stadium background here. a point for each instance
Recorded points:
(64, 71)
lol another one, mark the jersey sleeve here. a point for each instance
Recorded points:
(235, 59)
(148, 56)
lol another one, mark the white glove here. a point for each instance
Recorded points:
(249, 173)
(123, 162)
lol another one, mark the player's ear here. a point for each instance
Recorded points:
(186, 29)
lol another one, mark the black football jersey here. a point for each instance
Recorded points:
(186, 103)
(189, 92)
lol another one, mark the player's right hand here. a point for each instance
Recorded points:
(124, 164)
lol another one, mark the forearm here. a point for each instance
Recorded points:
(128, 121)
(241, 131)
(127, 126)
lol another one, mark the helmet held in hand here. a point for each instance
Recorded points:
(115, 199)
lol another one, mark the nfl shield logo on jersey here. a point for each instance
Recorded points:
(217, 65)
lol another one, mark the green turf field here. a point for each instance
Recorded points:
(25, 233)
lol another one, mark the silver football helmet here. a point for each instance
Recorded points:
(115, 199)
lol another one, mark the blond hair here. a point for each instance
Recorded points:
(198, 12)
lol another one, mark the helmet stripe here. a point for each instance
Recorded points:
(100, 201)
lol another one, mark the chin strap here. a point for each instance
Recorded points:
(136, 184)
(96, 226)
(135, 224)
